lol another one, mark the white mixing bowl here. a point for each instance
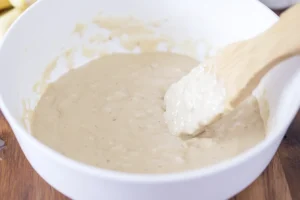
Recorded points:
(42, 31)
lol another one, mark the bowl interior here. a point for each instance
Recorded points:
(36, 39)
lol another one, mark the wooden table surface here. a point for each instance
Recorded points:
(280, 181)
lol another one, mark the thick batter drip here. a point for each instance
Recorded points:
(109, 114)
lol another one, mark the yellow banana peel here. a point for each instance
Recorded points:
(21, 4)
(4, 4)
(7, 19)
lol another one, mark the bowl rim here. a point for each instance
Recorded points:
(135, 177)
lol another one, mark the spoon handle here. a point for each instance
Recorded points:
(253, 58)
(281, 41)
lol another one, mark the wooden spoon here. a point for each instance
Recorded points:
(238, 69)
(241, 66)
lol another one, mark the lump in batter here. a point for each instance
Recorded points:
(110, 114)
(192, 102)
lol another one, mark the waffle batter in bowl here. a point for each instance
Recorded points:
(109, 113)
(179, 32)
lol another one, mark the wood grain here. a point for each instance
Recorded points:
(271, 184)
(278, 182)
(18, 181)
(289, 153)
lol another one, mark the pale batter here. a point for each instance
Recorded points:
(110, 114)
(194, 101)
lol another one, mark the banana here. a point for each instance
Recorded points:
(7, 19)
(4, 4)
(21, 4)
